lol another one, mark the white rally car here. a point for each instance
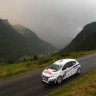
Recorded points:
(60, 70)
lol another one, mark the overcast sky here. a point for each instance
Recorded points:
(56, 21)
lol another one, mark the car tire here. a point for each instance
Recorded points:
(78, 71)
(59, 79)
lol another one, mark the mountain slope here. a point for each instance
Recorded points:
(85, 40)
(14, 45)
(34, 39)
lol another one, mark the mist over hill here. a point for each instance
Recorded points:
(85, 40)
(17, 41)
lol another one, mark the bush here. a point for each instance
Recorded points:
(44, 60)
(35, 57)
(65, 54)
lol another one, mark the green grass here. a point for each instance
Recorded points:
(82, 86)
(17, 68)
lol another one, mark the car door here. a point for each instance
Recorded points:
(74, 70)
(67, 70)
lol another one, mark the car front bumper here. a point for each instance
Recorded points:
(48, 80)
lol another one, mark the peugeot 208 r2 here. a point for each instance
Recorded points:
(60, 70)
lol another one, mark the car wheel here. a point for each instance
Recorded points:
(78, 70)
(59, 79)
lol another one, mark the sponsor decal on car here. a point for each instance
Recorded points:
(66, 72)
(47, 72)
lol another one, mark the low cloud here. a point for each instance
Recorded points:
(55, 21)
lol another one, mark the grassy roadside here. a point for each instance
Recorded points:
(13, 69)
(83, 86)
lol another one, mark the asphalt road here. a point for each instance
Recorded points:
(29, 84)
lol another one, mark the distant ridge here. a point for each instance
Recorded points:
(85, 40)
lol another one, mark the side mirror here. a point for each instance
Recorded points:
(63, 68)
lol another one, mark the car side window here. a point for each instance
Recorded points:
(74, 62)
(67, 65)
(70, 64)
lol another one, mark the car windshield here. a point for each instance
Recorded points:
(55, 67)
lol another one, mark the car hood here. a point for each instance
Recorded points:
(49, 72)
